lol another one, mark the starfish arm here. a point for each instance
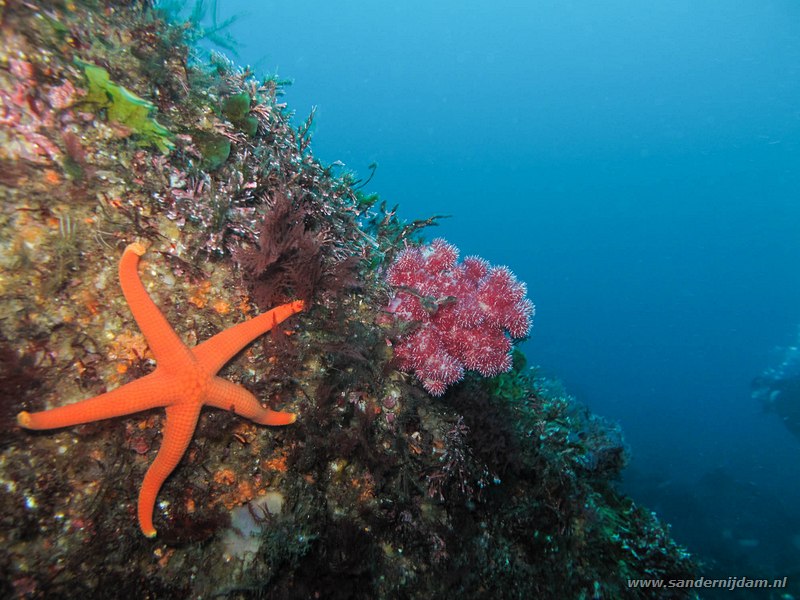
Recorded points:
(167, 347)
(142, 394)
(227, 395)
(178, 430)
(218, 350)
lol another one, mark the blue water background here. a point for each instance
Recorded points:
(635, 162)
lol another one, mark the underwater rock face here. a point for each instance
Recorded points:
(502, 487)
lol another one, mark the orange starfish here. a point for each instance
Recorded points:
(184, 381)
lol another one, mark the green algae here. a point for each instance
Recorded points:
(124, 107)
(214, 148)
(236, 109)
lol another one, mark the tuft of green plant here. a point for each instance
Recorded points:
(236, 109)
(215, 149)
(124, 107)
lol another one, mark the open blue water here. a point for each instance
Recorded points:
(636, 163)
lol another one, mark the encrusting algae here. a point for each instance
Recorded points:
(113, 131)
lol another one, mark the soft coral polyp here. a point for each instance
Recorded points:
(465, 314)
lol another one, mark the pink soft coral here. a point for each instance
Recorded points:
(465, 314)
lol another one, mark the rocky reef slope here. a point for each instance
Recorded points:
(112, 130)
